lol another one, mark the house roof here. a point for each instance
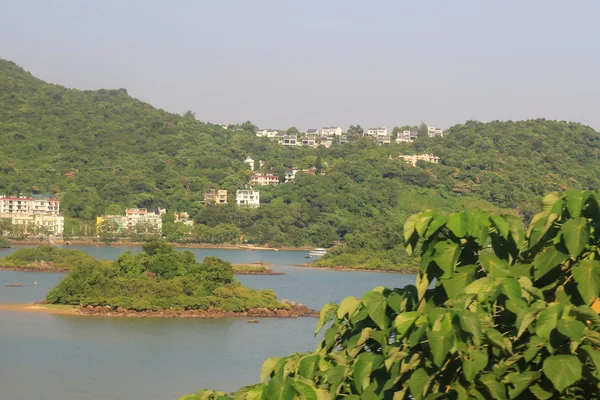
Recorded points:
(312, 130)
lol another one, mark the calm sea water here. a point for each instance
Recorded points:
(49, 357)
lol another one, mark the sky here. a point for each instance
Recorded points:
(319, 63)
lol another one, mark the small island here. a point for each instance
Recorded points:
(162, 282)
(47, 258)
(258, 268)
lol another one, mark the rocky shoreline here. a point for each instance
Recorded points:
(294, 311)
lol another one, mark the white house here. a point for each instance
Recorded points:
(248, 198)
(290, 140)
(383, 139)
(406, 136)
(250, 162)
(265, 179)
(309, 141)
(376, 132)
(331, 131)
(315, 132)
(269, 133)
(432, 131)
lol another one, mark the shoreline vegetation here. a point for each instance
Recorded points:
(294, 311)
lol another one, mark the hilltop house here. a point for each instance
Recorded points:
(290, 140)
(383, 139)
(376, 132)
(248, 198)
(315, 132)
(268, 133)
(434, 132)
(215, 196)
(265, 179)
(250, 162)
(183, 218)
(406, 136)
(309, 141)
(412, 159)
(331, 131)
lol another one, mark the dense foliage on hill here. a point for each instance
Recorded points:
(160, 278)
(48, 257)
(4, 243)
(103, 151)
(497, 312)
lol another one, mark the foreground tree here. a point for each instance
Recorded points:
(497, 312)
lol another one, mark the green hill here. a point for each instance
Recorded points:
(103, 151)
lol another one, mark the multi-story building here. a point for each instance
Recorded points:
(290, 140)
(435, 132)
(406, 136)
(265, 179)
(215, 196)
(383, 139)
(309, 141)
(316, 132)
(412, 159)
(269, 133)
(331, 131)
(248, 198)
(35, 214)
(133, 218)
(376, 132)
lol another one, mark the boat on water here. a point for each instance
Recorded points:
(14, 284)
(316, 253)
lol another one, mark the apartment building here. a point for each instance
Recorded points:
(376, 132)
(133, 217)
(432, 131)
(412, 159)
(35, 214)
(248, 198)
(265, 179)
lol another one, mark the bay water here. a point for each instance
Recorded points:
(48, 357)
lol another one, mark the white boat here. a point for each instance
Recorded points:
(316, 253)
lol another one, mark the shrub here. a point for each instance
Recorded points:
(497, 312)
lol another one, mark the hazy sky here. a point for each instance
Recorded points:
(312, 63)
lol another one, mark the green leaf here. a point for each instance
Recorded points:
(405, 321)
(594, 356)
(308, 366)
(326, 314)
(347, 307)
(496, 338)
(475, 364)
(501, 225)
(457, 223)
(409, 227)
(511, 288)
(422, 221)
(470, 323)
(542, 390)
(279, 388)
(417, 382)
(495, 388)
(462, 277)
(440, 343)
(445, 256)
(435, 225)
(524, 319)
(575, 201)
(268, 367)
(307, 390)
(576, 234)
(494, 266)
(521, 381)
(376, 304)
(364, 366)
(546, 322)
(547, 260)
(517, 230)
(572, 329)
(563, 371)
(587, 276)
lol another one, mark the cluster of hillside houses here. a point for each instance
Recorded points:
(35, 214)
(328, 135)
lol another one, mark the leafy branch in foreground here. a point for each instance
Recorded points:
(497, 312)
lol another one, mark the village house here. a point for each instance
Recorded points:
(248, 198)
(290, 140)
(315, 132)
(250, 162)
(265, 179)
(133, 218)
(215, 196)
(376, 132)
(291, 174)
(434, 132)
(344, 140)
(412, 159)
(406, 136)
(268, 133)
(182, 218)
(326, 142)
(36, 214)
(331, 131)
(309, 141)
(383, 139)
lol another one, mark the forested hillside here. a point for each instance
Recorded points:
(103, 151)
